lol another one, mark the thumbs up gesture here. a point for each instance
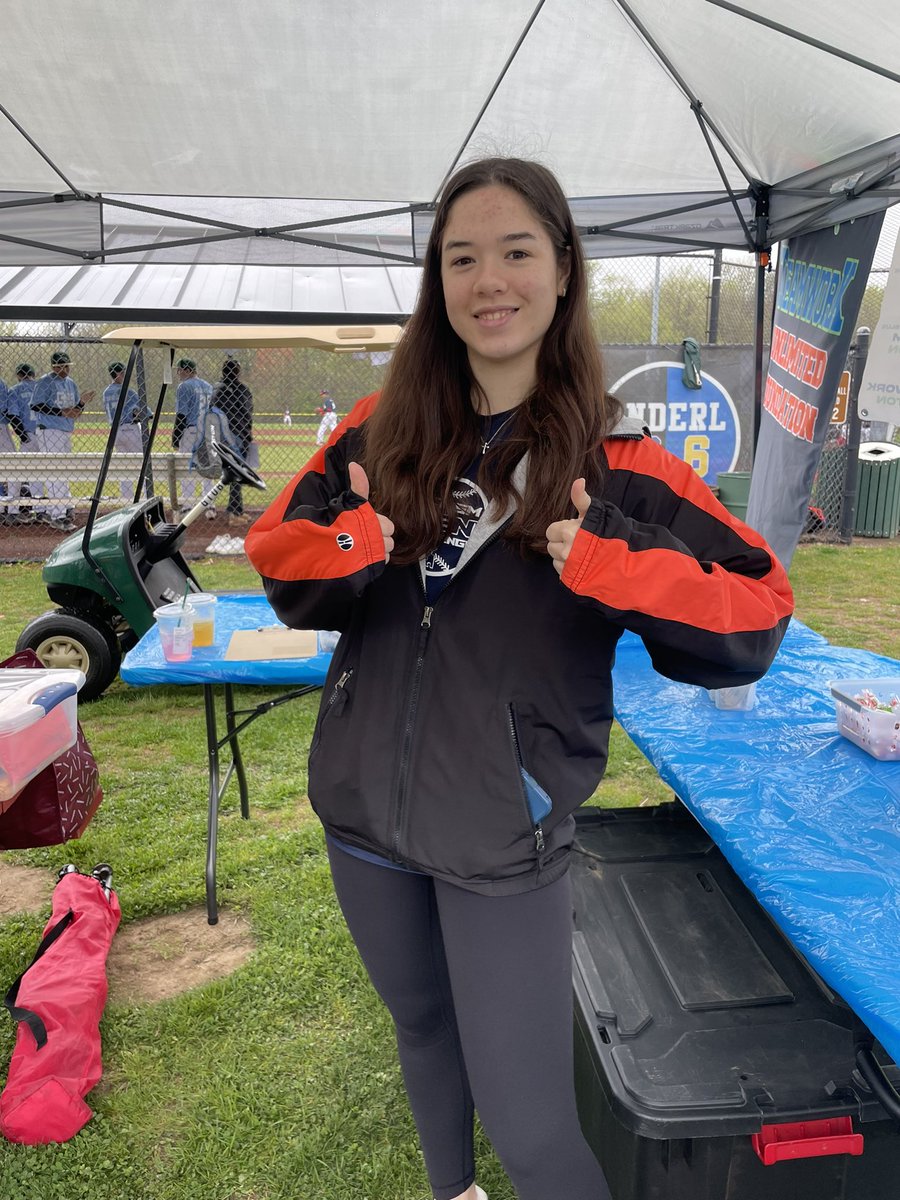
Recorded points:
(561, 534)
(359, 485)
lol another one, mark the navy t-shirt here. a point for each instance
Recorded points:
(471, 503)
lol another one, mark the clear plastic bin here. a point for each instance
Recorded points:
(872, 729)
(38, 721)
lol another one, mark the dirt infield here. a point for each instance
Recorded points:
(152, 959)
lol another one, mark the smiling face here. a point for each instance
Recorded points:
(501, 279)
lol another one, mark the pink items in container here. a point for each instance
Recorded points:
(868, 714)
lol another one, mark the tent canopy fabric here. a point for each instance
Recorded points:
(201, 156)
(314, 135)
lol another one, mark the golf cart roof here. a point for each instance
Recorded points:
(340, 338)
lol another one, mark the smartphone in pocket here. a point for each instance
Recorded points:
(539, 803)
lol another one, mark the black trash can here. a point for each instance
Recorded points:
(704, 1043)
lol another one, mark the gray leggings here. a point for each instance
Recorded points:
(480, 990)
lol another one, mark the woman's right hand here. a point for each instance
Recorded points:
(359, 485)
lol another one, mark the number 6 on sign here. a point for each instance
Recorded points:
(696, 453)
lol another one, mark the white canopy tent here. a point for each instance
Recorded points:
(310, 140)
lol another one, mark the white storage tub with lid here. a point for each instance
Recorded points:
(38, 721)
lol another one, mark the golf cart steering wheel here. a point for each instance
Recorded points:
(234, 469)
(164, 539)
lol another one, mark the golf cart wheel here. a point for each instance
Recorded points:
(62, 639)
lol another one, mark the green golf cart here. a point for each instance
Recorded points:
(107, 579)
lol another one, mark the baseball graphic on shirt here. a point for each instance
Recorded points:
(470, 504)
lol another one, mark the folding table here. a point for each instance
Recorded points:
(144, 664)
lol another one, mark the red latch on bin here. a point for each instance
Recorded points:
(807, 1139)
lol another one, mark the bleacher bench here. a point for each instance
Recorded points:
(169, 470)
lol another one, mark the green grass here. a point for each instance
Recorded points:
(279, 1082)
(851, 594)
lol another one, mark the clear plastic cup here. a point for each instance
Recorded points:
(326, 640)
(204, 606)
(740, 699)
(176, 631)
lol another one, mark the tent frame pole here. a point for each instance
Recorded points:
(759, 19)
(762, 264)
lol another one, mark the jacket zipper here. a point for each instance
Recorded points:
(412, 708)
(339, 694)
(334, 706)
(406, 749)
(514, 734)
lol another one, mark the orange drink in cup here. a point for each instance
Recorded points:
(204, 606)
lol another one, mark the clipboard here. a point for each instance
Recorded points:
(254, 645)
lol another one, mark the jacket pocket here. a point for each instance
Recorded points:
(538, 804)
(333, 708)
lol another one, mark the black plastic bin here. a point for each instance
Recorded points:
(697, 1026)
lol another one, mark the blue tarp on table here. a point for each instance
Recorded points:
(809, 821)
(144, 664)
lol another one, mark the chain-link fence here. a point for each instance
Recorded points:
(661, 301)
(851, 493)
(49, 464)
(643, 310)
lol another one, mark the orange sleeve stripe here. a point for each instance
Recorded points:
(666, 583)
(684, 481)
(297, 550)
(301, 549)
(671, 586)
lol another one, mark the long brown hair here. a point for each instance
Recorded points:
(425, 429)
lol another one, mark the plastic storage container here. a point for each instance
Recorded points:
(38, 721)
(704, 1044)
(872, 729)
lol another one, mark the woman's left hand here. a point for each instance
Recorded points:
(561, 534)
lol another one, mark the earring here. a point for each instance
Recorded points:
(562, 294)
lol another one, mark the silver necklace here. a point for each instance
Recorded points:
(486, 444)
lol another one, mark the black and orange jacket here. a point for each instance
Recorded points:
(429, 715)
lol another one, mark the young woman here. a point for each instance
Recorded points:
(482, 532)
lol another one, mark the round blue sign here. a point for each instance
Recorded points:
(699, 425)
